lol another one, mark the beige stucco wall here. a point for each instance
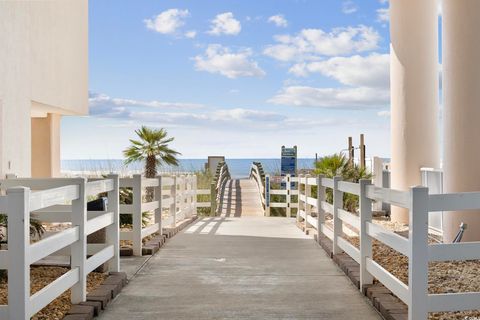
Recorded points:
(43, 69)
(414, 93)
(46, 146)
(461, 117)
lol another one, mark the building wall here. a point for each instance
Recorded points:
(43, 69)
(46, 146)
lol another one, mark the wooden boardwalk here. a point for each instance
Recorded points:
(241, 198)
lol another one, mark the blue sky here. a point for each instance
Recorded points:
(237, 78)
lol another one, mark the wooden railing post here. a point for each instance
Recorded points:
(173, 207)
(365, 240)
(18, 267)
(288, 197)
(113, 230)
(158, 196)
(308, 208)
(418, 254)
(321, 212)
(78, 249)
(267, 195)
(213, 199)
(137, 215)
(337, 223)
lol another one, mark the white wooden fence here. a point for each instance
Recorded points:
(174, 196)
(313, 211)
(286, 193)
(55, 200)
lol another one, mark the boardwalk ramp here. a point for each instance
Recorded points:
(241, 198)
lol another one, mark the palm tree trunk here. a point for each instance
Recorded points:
(150, 172)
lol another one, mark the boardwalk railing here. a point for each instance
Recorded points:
(175, 198)
(56, 200)
(258, 175)
(217, 188)
(314, 211)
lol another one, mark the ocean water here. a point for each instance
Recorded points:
(238, 167)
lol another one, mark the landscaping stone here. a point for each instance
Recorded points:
(78, 309)
(103, 296)
(97, 306)
(77, 317)
(126, 252)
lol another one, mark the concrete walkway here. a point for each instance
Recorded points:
(240, 268)
(241, 198)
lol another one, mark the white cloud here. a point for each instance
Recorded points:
(340, 98)
(225, 23)
(369, 71)
(349, 7)
(221, 60)
(312, 43)
(102, 104)
(191, 34)
(384, 113)
(167, 22)
(383, 15)
(279, 20)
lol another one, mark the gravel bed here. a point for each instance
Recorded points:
(444, 277)
(42, 276)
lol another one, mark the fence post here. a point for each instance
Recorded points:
(267, 195)
(137, 215)
(173, 206)
(18, 267)
(158, 196)
(418, 254)
(308, 208)
(365, 206)
(182, 195)
(321, 212)
(78, 249)
(337, 223)
(299, 207)
(213, 200)
(288, 196)
(195, 194)
(113, 230)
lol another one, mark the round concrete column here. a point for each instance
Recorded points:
(414, 93)
(461, 117)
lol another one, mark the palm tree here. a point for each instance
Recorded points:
(338, 165)
(152, 148)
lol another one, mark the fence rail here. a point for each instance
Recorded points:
(314, 211)
(288, 189)
(64, 200)
(175, 195)
(26, 196)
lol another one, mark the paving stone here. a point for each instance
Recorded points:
(121, 275)
(104, 296)
(82, 310)
(126, 252)
(77, 317)
(114, 280)
(97, 306)
(114, 289)
(149, 250)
